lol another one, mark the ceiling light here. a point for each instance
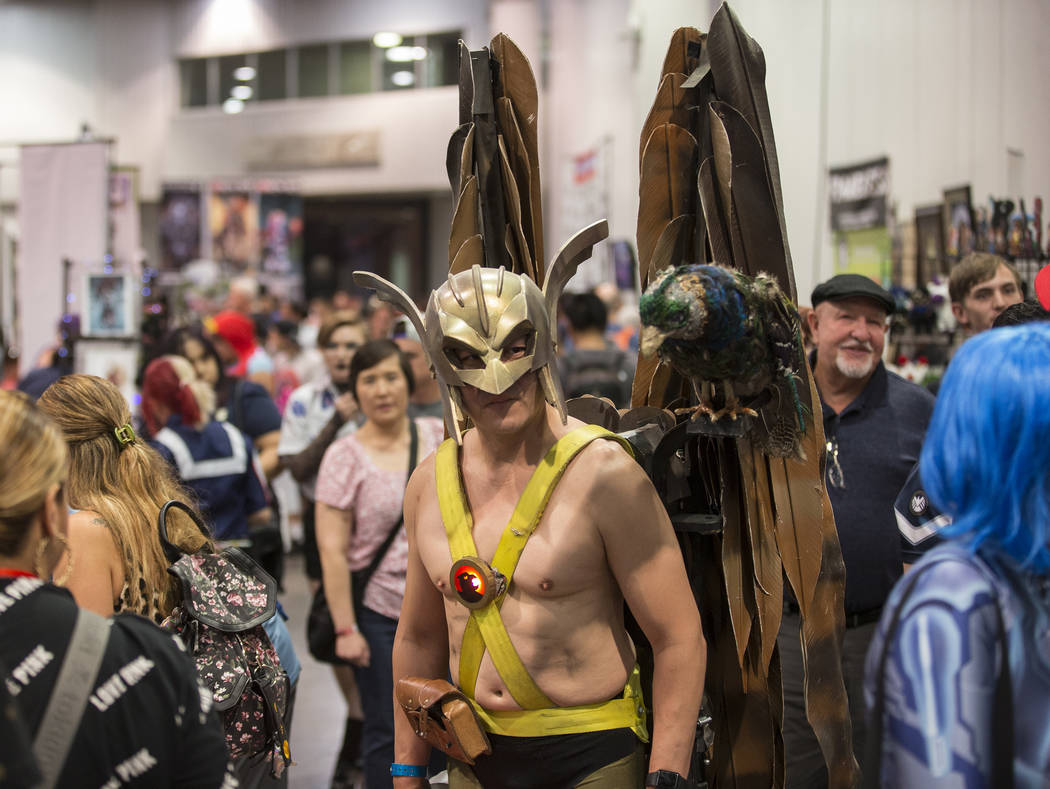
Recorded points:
(406, 54)
(403, 79)
(387, 40)
(244, 73)
(242, 92)
(233, 106)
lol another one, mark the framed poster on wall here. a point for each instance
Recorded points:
(929, 243)
(109, 306)
(960, 225)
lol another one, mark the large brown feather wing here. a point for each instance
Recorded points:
(739, 70)
(809, 547)
(516, 81)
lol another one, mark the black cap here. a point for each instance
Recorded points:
(851, 286)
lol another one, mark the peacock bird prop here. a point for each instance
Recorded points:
(721, 329)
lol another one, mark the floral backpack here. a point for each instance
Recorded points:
(225, 599)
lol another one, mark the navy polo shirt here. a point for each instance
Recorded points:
(219, 464)
(872, 447)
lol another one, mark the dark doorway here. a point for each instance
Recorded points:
(384, 235)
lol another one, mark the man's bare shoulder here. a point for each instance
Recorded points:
(424, 473)
(606, 466)
(421, 484)
(620, 497)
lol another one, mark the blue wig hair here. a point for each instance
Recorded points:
(986, 458)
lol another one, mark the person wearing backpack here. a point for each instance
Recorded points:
(108, 702)
(118, 485)
(591, 364)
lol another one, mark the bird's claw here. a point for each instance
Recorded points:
(733, 411)
(706, 409)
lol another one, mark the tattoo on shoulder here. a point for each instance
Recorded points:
(97, 521)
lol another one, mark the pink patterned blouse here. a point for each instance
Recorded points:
(348, 480)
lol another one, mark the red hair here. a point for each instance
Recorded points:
(161, 384)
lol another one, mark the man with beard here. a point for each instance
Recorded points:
(874, 422)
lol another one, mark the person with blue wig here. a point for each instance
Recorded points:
(958, 674)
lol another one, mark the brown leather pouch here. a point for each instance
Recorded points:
(443, 716)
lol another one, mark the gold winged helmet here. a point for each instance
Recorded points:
(478, 311)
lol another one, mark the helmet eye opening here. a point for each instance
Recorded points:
(461, 356)
(520, 343)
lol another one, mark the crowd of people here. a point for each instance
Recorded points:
(287, 428)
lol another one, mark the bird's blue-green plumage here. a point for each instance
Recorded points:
(718, 325)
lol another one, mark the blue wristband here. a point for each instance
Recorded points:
(409, 770)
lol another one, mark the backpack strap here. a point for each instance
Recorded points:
(485, 630)
(65, 707)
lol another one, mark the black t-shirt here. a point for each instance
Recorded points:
(18, 768)
(147, 722)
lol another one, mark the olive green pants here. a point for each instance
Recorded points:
(625, 773)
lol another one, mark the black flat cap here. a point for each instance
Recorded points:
(852, 286)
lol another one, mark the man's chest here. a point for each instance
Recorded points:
(563, 555)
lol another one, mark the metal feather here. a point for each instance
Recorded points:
(666, 189)
(683, 52)
(517, 246)
(465, 222)
(713, 214)
(809, 548)
(761, 524)
(518, 158)
(470, 253)
(516, 81)
(739, 71)
(460, 149)
(673, 104)
(751, 209)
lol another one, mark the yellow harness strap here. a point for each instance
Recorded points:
(626, 712)
(485, 628)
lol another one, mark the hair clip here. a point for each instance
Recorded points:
(125, 435)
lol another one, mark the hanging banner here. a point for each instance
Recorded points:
(62, 216)
(233, 217)
(857, 194)
(586, 177)
(865, 252)
(125, 234)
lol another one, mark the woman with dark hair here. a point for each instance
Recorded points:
(142, 678)
(360, 491)
(958, 676)
(214, 459)
(243, 403)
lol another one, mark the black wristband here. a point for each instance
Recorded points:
(667, 779)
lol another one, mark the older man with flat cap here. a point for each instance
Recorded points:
(874, 421)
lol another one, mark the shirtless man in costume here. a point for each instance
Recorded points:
(603, 538)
